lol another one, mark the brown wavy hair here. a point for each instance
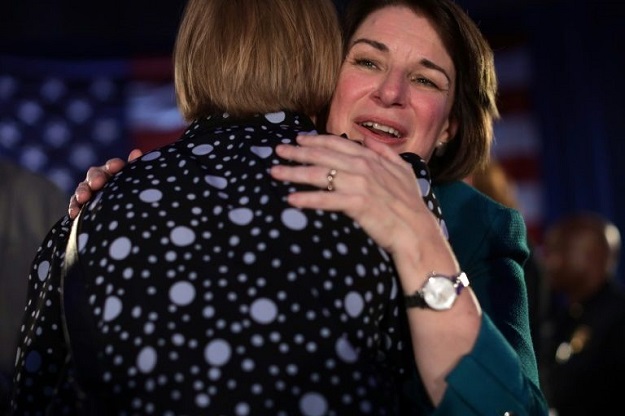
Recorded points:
(474, 107)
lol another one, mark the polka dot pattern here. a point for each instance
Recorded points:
(423, 178)
(211, 295)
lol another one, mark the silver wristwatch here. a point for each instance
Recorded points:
(439, 292)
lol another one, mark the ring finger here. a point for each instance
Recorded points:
(326, 179)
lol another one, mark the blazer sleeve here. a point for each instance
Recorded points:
(500, 374)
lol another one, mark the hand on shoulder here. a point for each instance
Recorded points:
(96, 178)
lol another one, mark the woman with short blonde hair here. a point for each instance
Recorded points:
(284, 57)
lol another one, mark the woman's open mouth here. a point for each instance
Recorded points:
(378, 128)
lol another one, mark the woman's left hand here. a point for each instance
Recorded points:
(372, 184)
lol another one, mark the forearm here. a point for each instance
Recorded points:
(439, 338)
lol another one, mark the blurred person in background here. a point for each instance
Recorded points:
(583, 365)
(29, 205)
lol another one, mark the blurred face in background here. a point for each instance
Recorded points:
(577, 258)
(565, 259)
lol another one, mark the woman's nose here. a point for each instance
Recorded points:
(392, 90)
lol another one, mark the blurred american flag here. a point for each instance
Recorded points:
(59, 117)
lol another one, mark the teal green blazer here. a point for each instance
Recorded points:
(500, 374)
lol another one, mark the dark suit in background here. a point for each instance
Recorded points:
(29, 205)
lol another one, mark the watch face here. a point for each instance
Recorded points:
(439, 293)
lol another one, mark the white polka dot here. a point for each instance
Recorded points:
(241, 216)
(262, 151)
(151, 156)
(95, 201)
(32, 362)
(112, 308)
(120, 248)
(42, 270)
(146, 360)
(354, 304)
(202, 149)
(242, 409)
(151, 195)
(294, 219)
(341, 248)
(361, 270)
(136, 312)
(424, 184)
(182, 236)
(202, 400)
(247, 365)
(128, 273)
(182, 293)
(216, 181)
(313, 404)
(82, 240)
(275, 117)
(177, 339)
(264, 311)
(345, 350)
(394, 289)
(217, 352)
(249, 258)
(208, 312)
(148, 328)
(443, 225)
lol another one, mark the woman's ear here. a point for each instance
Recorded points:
(447, 133)
(449, 130)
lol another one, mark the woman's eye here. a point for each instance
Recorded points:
(365, 63)
(424, 81)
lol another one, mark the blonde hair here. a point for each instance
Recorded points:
(256, 56)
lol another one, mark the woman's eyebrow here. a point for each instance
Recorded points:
(377, 45)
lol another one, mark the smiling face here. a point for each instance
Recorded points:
(396, 84)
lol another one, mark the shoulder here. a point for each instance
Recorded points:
(490, 243)
(474, 220)
(458, 197)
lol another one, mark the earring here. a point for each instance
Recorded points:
(440, 148)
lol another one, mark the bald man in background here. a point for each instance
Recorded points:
(583, 362)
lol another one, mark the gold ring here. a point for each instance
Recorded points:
(330, 177)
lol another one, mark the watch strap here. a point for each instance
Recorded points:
(416, 300)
